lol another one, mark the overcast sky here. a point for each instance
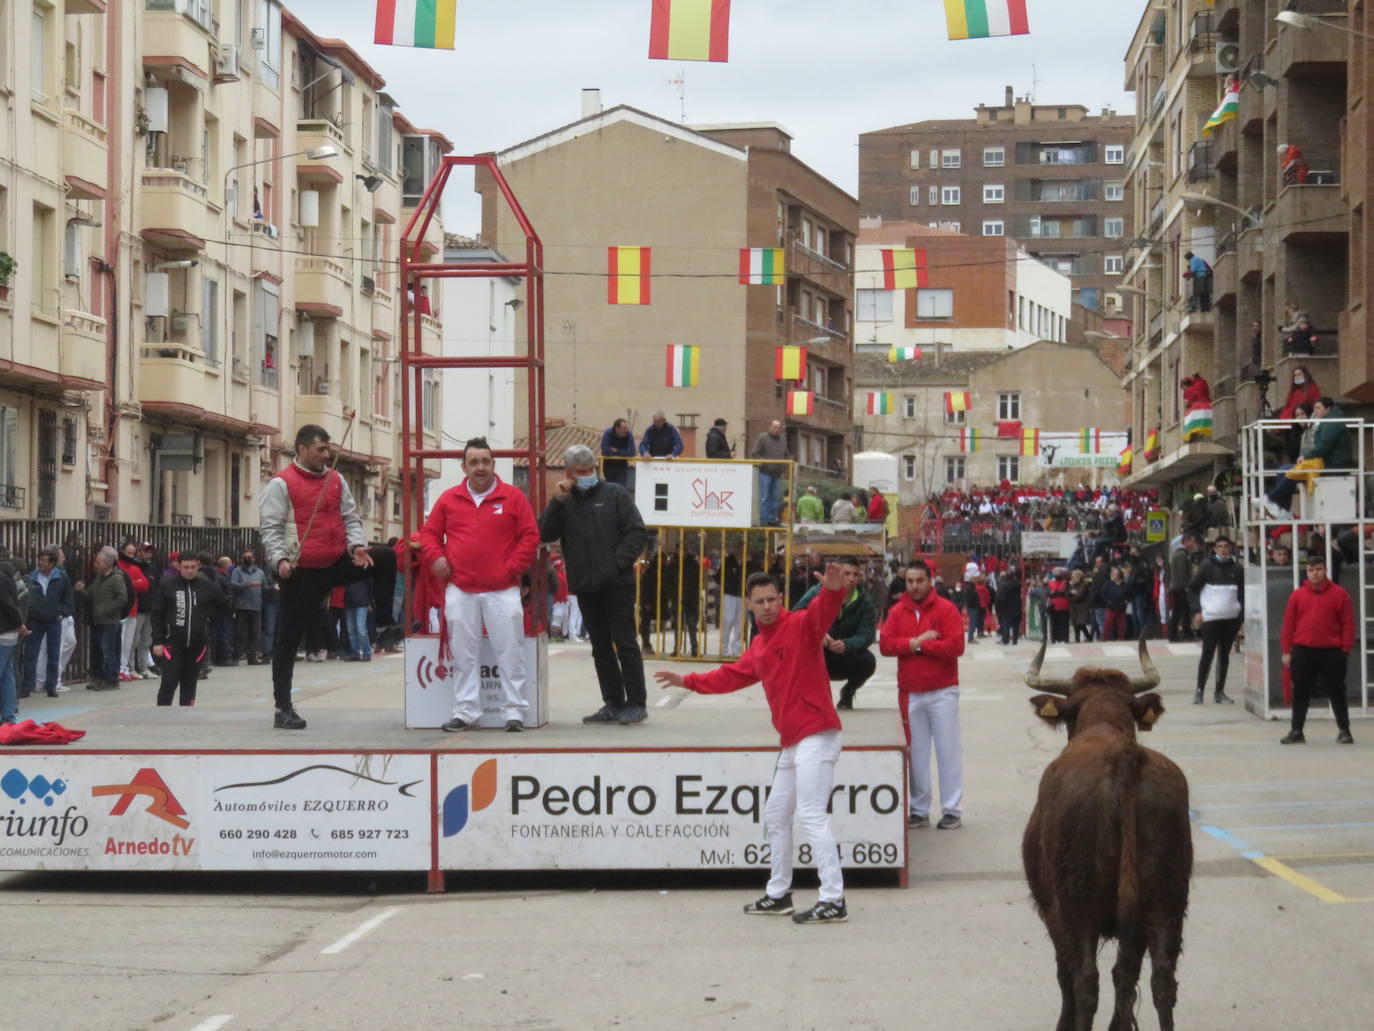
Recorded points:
(826, 71)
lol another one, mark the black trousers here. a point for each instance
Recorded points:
(1180, 616)
(608, 617)
(1218, 635)
(854, 668)
(182, 670)
(975, 623)
(1319, 670)
(1059, 626)
(1008, 628)
(248, 625)
(303, 592)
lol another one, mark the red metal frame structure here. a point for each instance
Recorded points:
(414, 361)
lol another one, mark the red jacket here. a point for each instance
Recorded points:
(136, 577)
(1319, 619)
(489, 546)
(936, 666)
(1058, 595)
(877, 508)
(427, 591)
(788, 658)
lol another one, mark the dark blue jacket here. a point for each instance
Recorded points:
(661, 441)
(57, 603)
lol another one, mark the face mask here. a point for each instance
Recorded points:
(587, 482)
(1299, 380)
(1223, 558)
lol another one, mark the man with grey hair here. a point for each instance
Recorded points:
(602, 535)
(108, 597)
(661, 439)
(772, 443)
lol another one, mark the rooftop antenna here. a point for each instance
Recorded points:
(1035, 84)
(681, 83)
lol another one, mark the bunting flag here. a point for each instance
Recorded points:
(789, 363)
(416, 23)
(690, 30)
(628, 275)
(1229, 109)
(979, 19)
(904, 269)
(684, 366)
(904, 354)
(1123, 464)
(880, 403)
(1090, 441)
(970, 439)
(800, 402)
(1030, 442)
(958, 401)
(1009, 428)
(1152, 445)
(762, 266)
(1197, 424)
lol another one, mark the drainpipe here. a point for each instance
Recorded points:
(114, 210)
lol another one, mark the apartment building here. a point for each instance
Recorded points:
(695, 196)
(246, 223)
(1050, 177)
(982, 293)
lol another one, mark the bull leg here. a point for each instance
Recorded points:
(1166, 942)
(1130, 952)
(1063, 961)
(1085, 982)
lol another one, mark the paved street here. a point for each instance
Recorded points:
(1277, 936)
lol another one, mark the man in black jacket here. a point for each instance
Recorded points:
(602, 534)
(51, 600)
(1216, 595)
(12, 630)
(717, 444)
(182, 610)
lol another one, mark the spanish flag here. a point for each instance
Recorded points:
(690, 30)
(628, 275)
(904, 354)
(1030, 442)
(880, 403)
(789, 363)
(958, 401)
(800, 402)
(684, 366)
(1152, 445)
(1123, 463)
(904, 269)
(970, 439)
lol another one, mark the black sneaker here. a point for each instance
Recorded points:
(1197, 697)
(633, 714)
(605, 714)
(1344, 738)
(949, 822)
(514, 726)
(1222, 698)
(288, 719)
(917, 821)
(454, 725)
(1293, 737)
(823, 913)
(769, 906)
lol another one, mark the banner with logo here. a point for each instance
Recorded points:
(1055, 545)
(430, 683)
(661, 810)
(1065, 450)
(704, 494)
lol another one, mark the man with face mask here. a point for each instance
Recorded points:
(1217, 597)
(602, 534)
(246, 583)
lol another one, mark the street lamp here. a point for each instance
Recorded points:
(1097, 334)
(1307, 22)
(314, 154)
(1206, 200)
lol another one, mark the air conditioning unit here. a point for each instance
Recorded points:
(1228, 58)
(181, 322)
(257, 39)
(227, 63)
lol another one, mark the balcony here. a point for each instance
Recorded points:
(1250, 255)
(1202, 46)
(1224, 274)
(176, 214)
(1309, 214)
(1252, 100)
(84, 153)
(803, 261)
(82, 347)
(1301, 54)
(1200, 167)
(322, 287)
(172, 33)
(318, 132)
(322, 410)
(802, 331)
(171, 374)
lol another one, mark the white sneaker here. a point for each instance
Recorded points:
(62, 688)
(1277, 512)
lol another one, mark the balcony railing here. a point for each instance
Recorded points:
(369, 285)
(1200, 168)
(1203, 37)
(12, 497)
(824, 259)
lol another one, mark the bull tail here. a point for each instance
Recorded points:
(1129, 771)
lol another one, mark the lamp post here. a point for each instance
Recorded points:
(1206, 200)
(1308, 22)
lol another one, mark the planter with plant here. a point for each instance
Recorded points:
(7, 267)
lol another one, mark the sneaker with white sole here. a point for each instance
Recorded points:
(949, 822)
(917, 821)
(823, 913)
(769, 906)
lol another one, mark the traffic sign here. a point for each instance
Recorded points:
(1156, 525)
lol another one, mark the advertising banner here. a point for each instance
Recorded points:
(705, 494)
(662, 810)
(430, 681)
(1065, 450)
(1055, 545)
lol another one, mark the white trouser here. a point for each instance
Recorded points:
(143, 641)
(500, 612)
(574, 628)
(731, 624)
(559, 620)
(801, 787)
(128, 636)
(64, 655)
(934, 716)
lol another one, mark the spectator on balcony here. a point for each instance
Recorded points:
(617, 447)
(717, 443)
(661, 439)
(810, 508)
(1257, 345)
(771, 444)
(422, 304)
(1201, 275)
(1302, 341)
(1302, 392)
(1293, 166)
(1291, 314)
(877, 507)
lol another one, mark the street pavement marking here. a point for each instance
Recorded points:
(359, 931)
(1276, 867)
(214, 1023)
(672, 699)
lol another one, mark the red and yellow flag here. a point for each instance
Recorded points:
(789, 363)
(800, 402)
(628, 275)
(958, 401)
(904, 269)
(690, 30)
(1030, 442)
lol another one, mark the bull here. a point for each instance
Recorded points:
(1108, 850)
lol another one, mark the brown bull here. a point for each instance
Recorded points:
(1108, 850)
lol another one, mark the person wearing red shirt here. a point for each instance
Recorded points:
(925, 632)
(787, 655)
(1318, 633)
(479, 539)
(877, 507)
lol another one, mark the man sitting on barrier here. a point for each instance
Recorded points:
(847, 655)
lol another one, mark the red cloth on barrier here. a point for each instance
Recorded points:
(30, 732)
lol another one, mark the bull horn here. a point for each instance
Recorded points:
(1147, 665)
(1033, 681)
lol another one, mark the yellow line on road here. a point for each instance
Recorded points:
(1325, 855)
(1298, 880)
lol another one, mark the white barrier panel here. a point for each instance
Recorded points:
(215, 812)
(707, 495)
(429, 685)
(660, 810)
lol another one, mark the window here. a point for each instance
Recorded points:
(1114, 228)
(915, 157)
(915, 196)
(209, 320)
(909, 466)
(268, 23)
(952, 227)
(1009, 468)
(386, 142)
(909, 406)
(956, 418)
(266, 318)
(1114, 191)
(934, 158)
(994, 193)
(949, 159)
(38, 56)
(994, 157)
(9, 456)
(934, 195)
(994, 228)
(1112, 264)
(68, 441)
(1114, 154)
(954, 470)
(873, 305)
(934, 304)
(949, 195)
(1008, 407)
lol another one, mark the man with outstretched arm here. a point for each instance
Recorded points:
(787, 655)
(314, 540)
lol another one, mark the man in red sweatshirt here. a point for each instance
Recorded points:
(925, 632)
(787, 655)
(1318, 633)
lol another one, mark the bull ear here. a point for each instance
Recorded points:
(1147, 709)
(1053, 709)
